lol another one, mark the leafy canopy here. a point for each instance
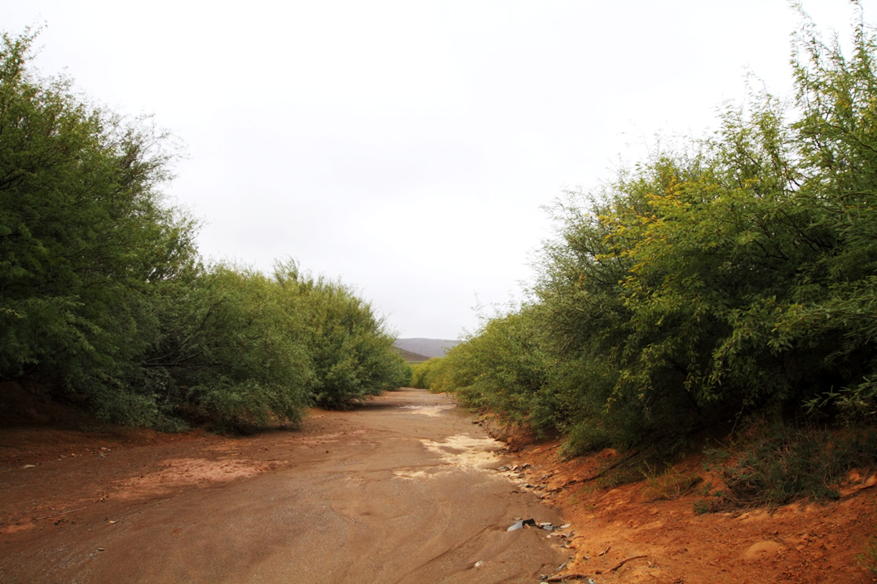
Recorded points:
(104, 298)
(736, 273)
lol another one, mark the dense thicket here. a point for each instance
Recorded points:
(735, 274)
(423, 375)
(104, 299)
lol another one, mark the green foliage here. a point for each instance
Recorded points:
(423, 374)
(403, 375)
(351, 354)
(104, 298)
(580, 391)
(502, 369)
(234, 347)
(84, 236)
(734, 274)
(780, 463)
(775, 463)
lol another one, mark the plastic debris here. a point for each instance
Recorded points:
(521, 523)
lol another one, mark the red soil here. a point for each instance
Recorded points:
(664, 541)
(404, 489)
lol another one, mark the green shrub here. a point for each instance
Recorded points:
(423, 374)
(105, 299)
(726, 277)
(351, 354)
(503, 368)
(584, 437)
(779, 463)
(85, 238)
(234, 348)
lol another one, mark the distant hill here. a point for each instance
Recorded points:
(411, 357)
(427, 347)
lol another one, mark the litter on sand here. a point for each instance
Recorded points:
(522, 523)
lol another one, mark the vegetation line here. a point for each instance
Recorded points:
(722, 289)
(105, 301)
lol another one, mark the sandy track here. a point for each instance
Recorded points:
(400, 490)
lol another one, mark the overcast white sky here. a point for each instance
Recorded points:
(407, 147)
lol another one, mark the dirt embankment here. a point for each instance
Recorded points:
(403, 489)
(650, 538)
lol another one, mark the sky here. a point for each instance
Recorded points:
(410, 148)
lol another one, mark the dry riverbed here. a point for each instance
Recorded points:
(401, 489)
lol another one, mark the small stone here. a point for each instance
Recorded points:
(29, 466)
(479, 563)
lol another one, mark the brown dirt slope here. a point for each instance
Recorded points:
(631, 534)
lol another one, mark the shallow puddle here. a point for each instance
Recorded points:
(461, 451)
(432, 411)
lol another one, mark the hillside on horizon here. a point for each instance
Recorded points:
(410, 358)
(426, 347)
